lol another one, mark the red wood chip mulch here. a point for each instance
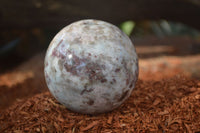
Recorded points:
(169, 105)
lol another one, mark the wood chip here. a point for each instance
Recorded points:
(197, 96)
(44, 130)
(91, 125)
(56, 126)
(18, 131)
(52, 102)
(37, 129)
(188, 128)
(163, 113)
(156, 101)
(110, 118)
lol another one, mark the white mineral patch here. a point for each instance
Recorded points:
(91, 67)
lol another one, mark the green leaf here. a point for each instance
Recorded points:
(127, 27)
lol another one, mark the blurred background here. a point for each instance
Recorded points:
(165, 33)
(27, 27)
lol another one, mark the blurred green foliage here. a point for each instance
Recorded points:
(158, 28)
(127, 27)
(165, 28)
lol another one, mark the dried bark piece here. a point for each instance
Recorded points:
(163, 112)
(91, 125)
(56, 126)
(110, 118)
(156, 101)
(44, 129)
(188, 128)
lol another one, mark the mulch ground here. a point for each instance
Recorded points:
(170, 105)
(166, 99)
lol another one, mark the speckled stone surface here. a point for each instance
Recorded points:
(91, 67)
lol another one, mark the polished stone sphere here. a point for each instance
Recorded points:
(91, 67)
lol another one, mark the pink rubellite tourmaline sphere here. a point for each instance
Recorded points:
(91, 67)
